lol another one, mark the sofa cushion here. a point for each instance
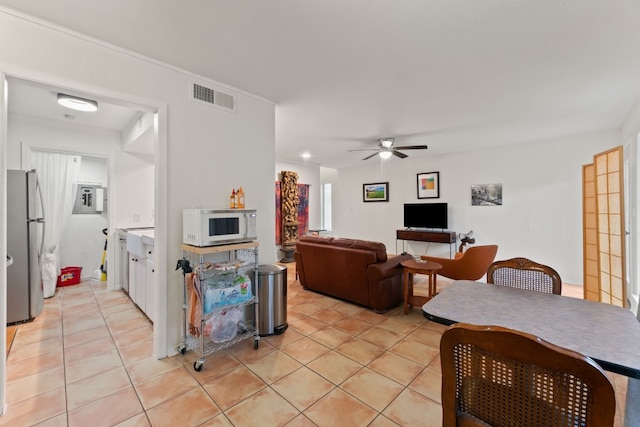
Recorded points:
(376, 247)
(316, 239)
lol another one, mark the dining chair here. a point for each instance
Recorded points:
(471, 264)
(498, 377)
(525, 274)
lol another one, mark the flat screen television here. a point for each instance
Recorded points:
(425, 215)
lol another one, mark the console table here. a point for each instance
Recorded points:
(448, 237)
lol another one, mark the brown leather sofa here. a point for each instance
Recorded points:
(358, 271)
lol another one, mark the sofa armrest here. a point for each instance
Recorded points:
(386, 269)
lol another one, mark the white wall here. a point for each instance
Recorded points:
(202, 151)
(541, 215)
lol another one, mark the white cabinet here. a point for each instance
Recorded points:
(142, 270)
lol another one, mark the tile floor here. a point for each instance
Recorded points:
(87, 361)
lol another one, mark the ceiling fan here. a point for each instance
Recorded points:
(386, 149)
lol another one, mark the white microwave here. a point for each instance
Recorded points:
(210, 227)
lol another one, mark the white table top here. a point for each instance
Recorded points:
(608, 334)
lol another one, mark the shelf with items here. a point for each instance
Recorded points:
(216, 292)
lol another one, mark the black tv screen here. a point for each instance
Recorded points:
(425, 215)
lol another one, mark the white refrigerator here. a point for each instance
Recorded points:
(25, 238)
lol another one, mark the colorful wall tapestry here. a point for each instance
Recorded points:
(303, 211)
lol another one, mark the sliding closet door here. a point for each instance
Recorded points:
(610, 224)
(590, 235)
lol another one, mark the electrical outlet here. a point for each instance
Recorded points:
(136, 217)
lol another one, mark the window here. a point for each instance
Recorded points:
(326, 206)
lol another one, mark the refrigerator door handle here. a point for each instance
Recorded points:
(41, 219)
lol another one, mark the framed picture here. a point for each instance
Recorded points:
(486, 195)
(429, 185)
(377, 192)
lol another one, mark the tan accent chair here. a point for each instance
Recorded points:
(499, 377)
(471, 264)
(523, 273)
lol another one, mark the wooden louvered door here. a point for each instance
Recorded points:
(608, 174)
(590, 235)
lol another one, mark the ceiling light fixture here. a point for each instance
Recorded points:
(384, 154)
(77, 103)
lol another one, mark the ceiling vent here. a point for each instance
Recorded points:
(206, 95)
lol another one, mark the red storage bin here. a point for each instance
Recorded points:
(69, 276)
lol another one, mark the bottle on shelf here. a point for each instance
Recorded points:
(232, 199)
(240, 195)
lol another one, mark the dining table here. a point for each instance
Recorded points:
(608, 334)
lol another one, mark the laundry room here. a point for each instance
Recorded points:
(95, 170)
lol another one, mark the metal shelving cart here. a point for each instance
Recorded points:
(207, 264)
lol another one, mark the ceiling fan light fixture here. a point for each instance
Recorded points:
(384, 154)
(77, 103)
(386, 142)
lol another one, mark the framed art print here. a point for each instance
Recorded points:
(429, 185)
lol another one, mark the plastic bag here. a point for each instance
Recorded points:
(223, 326)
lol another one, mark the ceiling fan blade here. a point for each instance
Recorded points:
(411, 147)
(399, 154)
(368, 157)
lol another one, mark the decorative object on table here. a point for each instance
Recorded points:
(290, 202)
(240, 198)
(232, 199)
(386, 149)
(377, 192)
(523, 273)
(486, 195)
(471, 264)
(501, 376)
(428, 185)
(466, 239)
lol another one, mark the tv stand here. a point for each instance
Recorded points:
(431, 236)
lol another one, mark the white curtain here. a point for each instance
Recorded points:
(58, 178)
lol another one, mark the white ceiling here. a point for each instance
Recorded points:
(454, 75)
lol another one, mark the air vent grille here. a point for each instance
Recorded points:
(213, 97)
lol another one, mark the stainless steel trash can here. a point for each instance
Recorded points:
(272, 299)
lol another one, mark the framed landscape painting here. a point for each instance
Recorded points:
(429, 185)
(377, 192)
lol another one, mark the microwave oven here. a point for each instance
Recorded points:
(210, 227)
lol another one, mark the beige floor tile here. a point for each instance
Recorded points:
(413, 409)
(381, 337)
(305, 350)
(164, 387)
(77, 326)
(397, 325)
(347, 309)
(92, 365)
(273, 366)
(215, 364)
(126, 325)
(307, 309)
(369, 316)
(36, 409)
(72, 340)
(340, 409)
(397, 368)
(428, 383)
(35, 384)
(284, 339)
(306, 325)
(435, 364)
(415, 351)
(189, 409)
(382, 421)
(134, 352)
(426, 336)
(139, 420)
(302, 387)
(219, 420)
(57, 421)
(19, 368)
(88, 349)
(300, 421)
(245, 351)
(359, 350)
(22, 352)
(352, 326)
(150, 367)
(233, 387)
(335, 367)
(52, 330)
(328, 316)
(133, 336)
(330, 337)
(96, 386)
(109, 410)
(372, 388)
(265, 408)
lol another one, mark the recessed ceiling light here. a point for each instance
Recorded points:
(306, 155)
(77, 103)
